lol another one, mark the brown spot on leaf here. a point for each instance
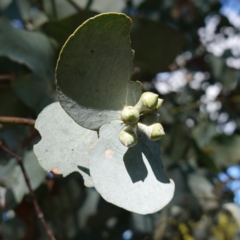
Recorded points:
(91, 51)
(56, 171)
(109, 153)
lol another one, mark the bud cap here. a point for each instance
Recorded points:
(157, 131)
(130, 115)
(127, 138)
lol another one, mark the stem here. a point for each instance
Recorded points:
(33, 197)
(7, 76)
(17, 120)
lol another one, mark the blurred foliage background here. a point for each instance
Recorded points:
(187, 51)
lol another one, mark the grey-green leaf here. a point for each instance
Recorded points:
(64, 146)
(94, 70)
(156, 45)
(28, 52)
(131, 178)
(225, 150)
(11, 177)
(31, 49)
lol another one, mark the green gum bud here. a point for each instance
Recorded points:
(130, 115)
(148, 102)
(150, 99)
(157, 131)
(159, 103)
(153, 132)
(128, 138)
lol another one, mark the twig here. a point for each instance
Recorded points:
(33, 197)
(7, 76)
(17, 120)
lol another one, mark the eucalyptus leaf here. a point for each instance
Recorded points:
(102, 5)
(204, 132)
(156, 45)
(147, 38)
(13, 106)
(61, 29)
(203, 190)
(34, 92)
(93, 87)
(11, 177)
(225, 150)
(227, 76)
(58, 9)
(4, 4)
(204, 159)
(234, 209)
(131, 178)
(65, 145)
(28, 52)
(32, 49)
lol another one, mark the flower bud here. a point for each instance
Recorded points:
(157, 132)
(128, 138)
(159, 103)
(130, 115)
(153, 132)
(147, 102)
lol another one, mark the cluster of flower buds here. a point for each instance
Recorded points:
(143, 117)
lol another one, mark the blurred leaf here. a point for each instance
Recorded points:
(202, 189)
(34, 92)
(13, 229)
(4, 4)
(32, 49)
(14, 135)
(225, 150)
(131, 178)
(234, 209)
(155, 44)
(58, 8)
(65, 145)
(94, 87)
(102, 6)
(12, 106)
(11, 177)
(147, 38)
(144, 223)
(24, 52)
(177, 148)
(204, 132)
(60, 207)
(60, 30)
(228, 77)
(89, 207)
(204, 160)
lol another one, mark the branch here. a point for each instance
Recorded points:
(7, 76)
(33, 197)
(17, 120)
